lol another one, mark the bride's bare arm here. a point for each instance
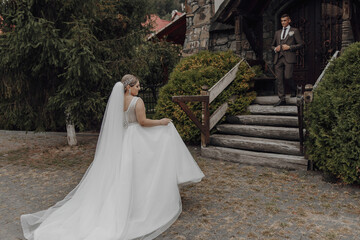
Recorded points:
(141, 116)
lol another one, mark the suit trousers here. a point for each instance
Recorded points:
(284, 71)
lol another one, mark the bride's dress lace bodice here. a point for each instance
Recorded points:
(130, 114)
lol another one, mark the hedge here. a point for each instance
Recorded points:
(333, 119)
(191, 73)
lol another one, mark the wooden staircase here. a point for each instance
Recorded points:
(267, 137)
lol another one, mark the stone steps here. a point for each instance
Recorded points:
(271, 110)
(271, 100)
(264, 120)
(269, 136)
(255, 158)
(283, 133)
(256, 144)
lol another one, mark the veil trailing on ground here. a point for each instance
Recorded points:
(106, 168)
(130, 191)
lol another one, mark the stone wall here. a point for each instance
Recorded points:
(268, 35)
(269, 28)
(224, 40)
(201, 34)
(198, 14)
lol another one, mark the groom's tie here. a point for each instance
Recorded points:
(283, 35)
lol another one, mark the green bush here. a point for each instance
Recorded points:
(333, 119)
(190, 75)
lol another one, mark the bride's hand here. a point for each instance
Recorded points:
(165, 121)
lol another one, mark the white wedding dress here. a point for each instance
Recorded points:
(130, 191)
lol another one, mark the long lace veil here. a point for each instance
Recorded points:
(107, 164)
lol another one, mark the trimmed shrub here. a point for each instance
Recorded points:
(204, 68)
(333, 119)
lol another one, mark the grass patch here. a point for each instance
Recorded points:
(60, 156)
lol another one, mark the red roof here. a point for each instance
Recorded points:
(174, 31)
(156, 22)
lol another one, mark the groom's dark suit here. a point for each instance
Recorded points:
(284, 60)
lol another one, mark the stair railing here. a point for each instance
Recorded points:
(323, 72)
(206, 97)
(300, 113)
(307, 97)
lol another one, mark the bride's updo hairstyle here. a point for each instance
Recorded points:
(130, 80)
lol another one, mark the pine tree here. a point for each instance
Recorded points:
(68, 52)
(60, 59)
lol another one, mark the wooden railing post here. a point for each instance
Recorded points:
(205, 116)
(300, 108)
(206, 96)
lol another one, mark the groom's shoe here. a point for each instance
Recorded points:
(280, 103)
(293, 94)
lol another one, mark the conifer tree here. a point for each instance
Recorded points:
(60, 59)
(68, 52)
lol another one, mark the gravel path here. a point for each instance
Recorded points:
(233, 201)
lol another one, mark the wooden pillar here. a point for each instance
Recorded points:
(205, 116)
(260, 38)
(347, 33)
(238, 32)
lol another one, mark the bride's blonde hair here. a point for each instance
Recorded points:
(130, 80)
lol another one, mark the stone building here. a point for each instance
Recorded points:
(247, 27)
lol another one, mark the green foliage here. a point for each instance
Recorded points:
(333, 118)
(78, 94)
(61, 58)
(154, 61)
(163, 8)
(190, 75)
(28, 67)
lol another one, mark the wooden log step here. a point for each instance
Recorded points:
(271, 100)
(285, 133)
(271, 110)
(264, 120)
(255, 158)
(256, 144)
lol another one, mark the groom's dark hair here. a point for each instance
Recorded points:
(285, 15)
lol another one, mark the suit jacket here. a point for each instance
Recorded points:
(293, 39)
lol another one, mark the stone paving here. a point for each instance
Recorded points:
(233, 201)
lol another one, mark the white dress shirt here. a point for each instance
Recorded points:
(286, 32)
(287, 29)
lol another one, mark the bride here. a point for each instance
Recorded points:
(130, 190)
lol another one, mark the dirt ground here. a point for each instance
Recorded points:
(233, 201)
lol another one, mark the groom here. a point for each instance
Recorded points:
(286, 41)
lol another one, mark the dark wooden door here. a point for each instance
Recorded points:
(319, 23)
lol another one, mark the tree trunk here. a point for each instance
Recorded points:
(71, 134)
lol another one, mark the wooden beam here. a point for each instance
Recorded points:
(254, 36)
(323, 72)
(229, 11)
(218, 114)
(190, 98)
(223, 82)
(192, 116)
(205, 116)
(203, 125)
(260, 40)
(238, 32)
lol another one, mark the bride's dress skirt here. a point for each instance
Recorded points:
(136, 197)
